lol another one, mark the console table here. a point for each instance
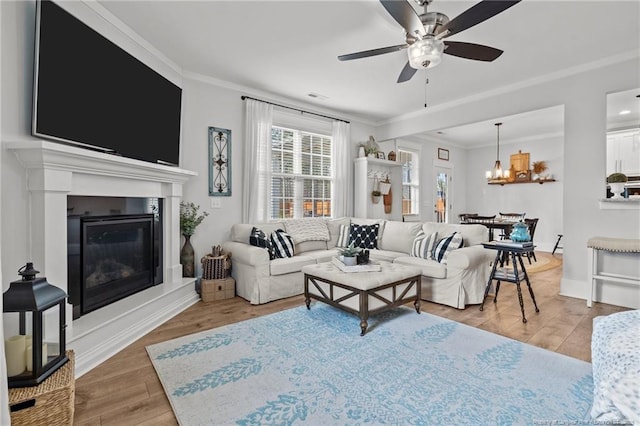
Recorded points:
(504, 250)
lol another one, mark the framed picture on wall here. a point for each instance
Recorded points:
(443, 154)
(380, 155)
(219, 162)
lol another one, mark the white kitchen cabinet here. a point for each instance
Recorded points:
(368, 171)
(623, 152)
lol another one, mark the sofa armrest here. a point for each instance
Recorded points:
(469, 257)
(245, 253)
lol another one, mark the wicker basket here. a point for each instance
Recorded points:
(213, 290)
(49, 403)
(215, 267)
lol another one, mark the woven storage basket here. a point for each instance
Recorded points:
(213, 290)
(215, 267)
(49, 403)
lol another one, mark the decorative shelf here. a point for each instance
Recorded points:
(540, 181)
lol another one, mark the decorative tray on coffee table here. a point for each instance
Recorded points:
(368, 267)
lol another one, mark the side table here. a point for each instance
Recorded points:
(504, 250)
(49, 403)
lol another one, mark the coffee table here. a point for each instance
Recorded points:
(363, 293)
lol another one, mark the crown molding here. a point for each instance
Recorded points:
(567, 72)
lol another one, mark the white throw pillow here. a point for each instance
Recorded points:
(344, 236)
(423, 245)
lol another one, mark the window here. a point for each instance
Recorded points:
(410, 182)
(301, 174)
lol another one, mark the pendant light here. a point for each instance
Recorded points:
(497, 174)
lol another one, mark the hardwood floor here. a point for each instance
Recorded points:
(124, 390)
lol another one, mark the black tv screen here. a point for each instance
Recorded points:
(89, 91)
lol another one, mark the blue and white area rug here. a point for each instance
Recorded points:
(312, 367)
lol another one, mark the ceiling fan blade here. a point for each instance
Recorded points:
(477, 14)
(372, 52)
(403, 13)
(406, 73)
(473, 51)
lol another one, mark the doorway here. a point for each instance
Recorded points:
(442, 178)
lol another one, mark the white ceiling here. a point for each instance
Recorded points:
(290, 48)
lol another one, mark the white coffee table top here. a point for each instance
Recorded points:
(389, 273)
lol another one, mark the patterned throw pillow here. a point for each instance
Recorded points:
(423, 245)
(343, 236)
(282, 244)
(364, 236)
(446, 246)
(258, 238)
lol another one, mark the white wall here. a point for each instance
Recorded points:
(536, 200)
(207, 105)
(583, 95)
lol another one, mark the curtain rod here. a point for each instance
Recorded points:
(294, 109)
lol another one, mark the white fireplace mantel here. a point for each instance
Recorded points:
(55, 171)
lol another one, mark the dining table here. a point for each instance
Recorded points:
(500, 224)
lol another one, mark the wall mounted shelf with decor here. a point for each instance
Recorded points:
(540, 181)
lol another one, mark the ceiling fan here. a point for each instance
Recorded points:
(424, 34)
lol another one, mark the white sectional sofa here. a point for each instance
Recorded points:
(458, 282)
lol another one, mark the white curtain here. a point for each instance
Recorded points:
(343, 172)
(256, 191)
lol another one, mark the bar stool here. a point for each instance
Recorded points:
(616, 245)
(557, 246)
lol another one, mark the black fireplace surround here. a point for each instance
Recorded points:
(112, 256)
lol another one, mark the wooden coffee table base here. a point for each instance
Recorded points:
(343, 296)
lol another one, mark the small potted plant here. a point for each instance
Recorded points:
(375, 196)
(349, 254)
(616, 183)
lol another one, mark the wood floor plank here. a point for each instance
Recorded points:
(125, 389)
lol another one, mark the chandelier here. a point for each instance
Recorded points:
(497, 174)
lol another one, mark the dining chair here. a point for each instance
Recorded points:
(511, 217)
(488, 221)
(464, 216)
(531, 224)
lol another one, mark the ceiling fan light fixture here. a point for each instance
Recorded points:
(425, 51)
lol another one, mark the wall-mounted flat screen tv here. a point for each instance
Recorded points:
(90, 92)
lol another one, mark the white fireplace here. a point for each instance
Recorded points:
(55, 171)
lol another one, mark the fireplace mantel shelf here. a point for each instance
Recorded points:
(39, 154)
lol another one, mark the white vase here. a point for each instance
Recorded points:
(617, 188)
(349, 261)
(361, 152)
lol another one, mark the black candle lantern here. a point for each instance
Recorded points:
(40, 309)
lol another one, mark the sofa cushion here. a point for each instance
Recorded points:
(334, 229)
(446, 245)
(398, 236)
(386, 255)
(258, 238)
(281, 244)
(290, 264)
(472, 235)
(307, 246)
(309, 229)
(364, 236)
(429, 268)
(321, 256)
(424, 244)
